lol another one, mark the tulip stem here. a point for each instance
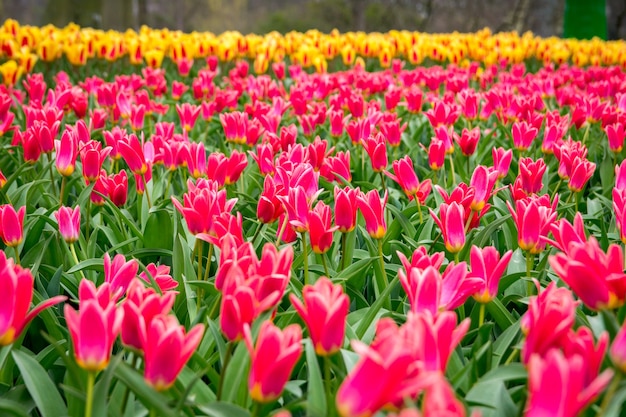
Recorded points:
(556, 190)
(227, 355)
(256, 409)
(327, 375)
(529, 267)
(281, 231)
(207, 267)
(511, 357)
(145, 188)
(609, 394)
(257, 232)
(63, 182)
(481, 315)
(382, 180)
(76, 262)
(169, 183)
(88, 219)
(382, 285)
(325, 265)
(91, 379)
(305, 260)
(456, 258)
(452, 171)
(344, 242)
(17, 255)
(419, 208)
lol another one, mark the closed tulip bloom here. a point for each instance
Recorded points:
(502, 161)
(436, 154)
(582, 171)
(523, 135)
(118, 188)
(483, 180)
(373, 209)
(272, 359)
(346, 208)
(12, 225)
(450, 221)
(595, 276)
(16, 287)
(133, 153)
(488, 266)
(187, 113)
(320, 229)
(376, 148)
(66, 153)
(119, 273)
(557, 385)
(533, 217)
(167, 348)
(468, 141)
(324, 311)
(406, 177)
(94, 327)
(69, 223)
(269, 207)
(531, 174)
(615, 133)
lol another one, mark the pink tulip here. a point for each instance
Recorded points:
(167, 348)
(119, 273)
(94, 327)
(450, 222)
(523, 135)
(69, 223)
(618, 349)
(582, 171)
(565, 232)
(337, 168)
(346, 208)
(12, 225)
(483, 180)
(161, 275)
(557, 385)
(16, 287)
(376, 148)
(488, 266)
(406, 177)
(272, 359)
(468, 141)
(502, 161)
(133, 153)
(187, 113)
(66, 153)
(373, 209)
(436, 154)
(533, 218)
(320, 229)
(531, 175)
(440, 400)
(548, 321)
(140, 307)
(615, 133)
(324, 311)
(595, 276)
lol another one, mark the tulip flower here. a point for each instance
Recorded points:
(615, 133)
(167, 348)
(118, 188)
(595, 276)
(337, 168)
(320, 229)
(235, 164)
(94, 327)
(376, 148)
(533, 217)
(565, 232)
(531, 175)
(16, 287)
(346, 208)
(468, 141)
(324, 311)
(548, 321)
(393, 131)
(69, 223)
(66, 153)
(133, 153)
(436, 154)
(92, 156)
(140, 307)
(119, 273)
(234, 125)
(12, 225)
(161, 276)
(406, 177)
(523, 135)
(272, 359)
(557, 385)
(450, 221)
(269, 207)
(483, 180)
(196, 162)
(582, 171)
(502, 161)
(373, 209)
(187, 113)
(440, 400)
(487, 265)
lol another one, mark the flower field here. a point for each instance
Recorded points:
(351, 225)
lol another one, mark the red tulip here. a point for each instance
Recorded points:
(488, 266)
(595, 276)
(337, 168)
(376, 148)
(468, 141)
(557, 386)
(167, 348)
(16, 287)
(451, 224)
(272, 358)
(373, 209)
(12, 225)
(119, 273)
(68, 220)
(483, 180)
(94, 327)
(436, 154)
(324, 311)
(269, 207)
(320, 229)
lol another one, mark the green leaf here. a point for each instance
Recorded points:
(222, 409)
(146, 394)
(101, 390)
(39, 385)
(371, 313)
(12, 408)
(316, 397)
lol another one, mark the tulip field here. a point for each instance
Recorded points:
(309, 224)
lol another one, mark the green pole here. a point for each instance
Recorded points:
(585, 19)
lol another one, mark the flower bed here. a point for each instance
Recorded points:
(320, 240)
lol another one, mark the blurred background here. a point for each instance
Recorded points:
(605, 18)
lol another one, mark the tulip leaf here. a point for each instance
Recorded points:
(40, 386)
(235, 384)
(12, 408)
(374, 309)
(146, 394)
(222, 409)
(96, 264)
(316, 399)
(500, 314)
(504, 342)
(159, 231)
(101, 389)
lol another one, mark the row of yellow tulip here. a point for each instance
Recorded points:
(27, 44)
